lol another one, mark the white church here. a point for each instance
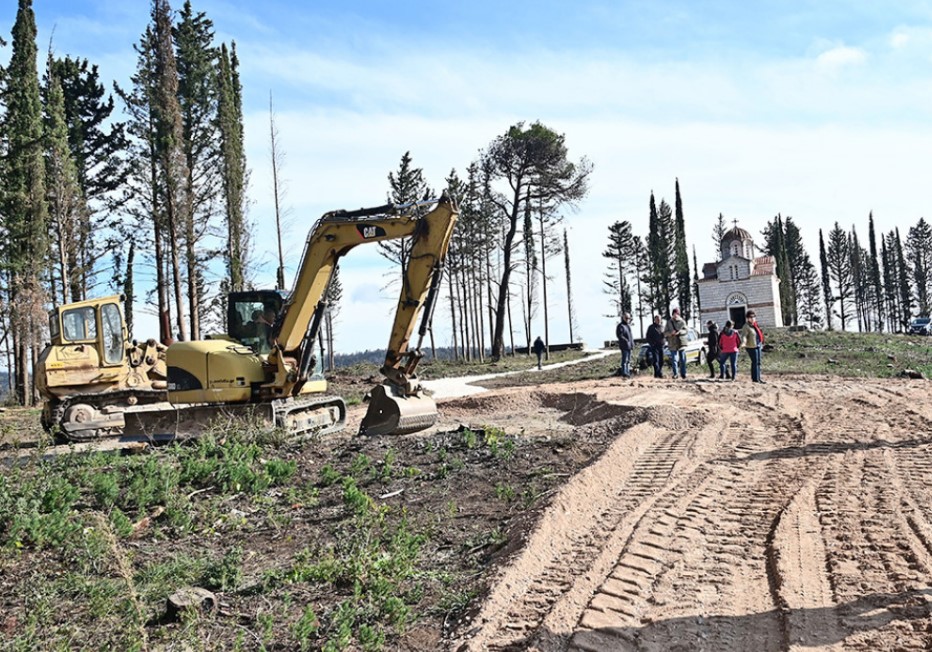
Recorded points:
(739, 282)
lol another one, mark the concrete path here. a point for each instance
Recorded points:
(466, 385)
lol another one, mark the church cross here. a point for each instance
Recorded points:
(735, 222)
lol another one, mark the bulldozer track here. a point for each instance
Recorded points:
(798, 519)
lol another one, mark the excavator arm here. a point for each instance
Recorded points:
(397, 405)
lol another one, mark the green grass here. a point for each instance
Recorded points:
(859, 355)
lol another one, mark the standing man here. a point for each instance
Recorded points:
(675, 332)
(712, 347)
(539, 349)
(625, 343)
(753, 339)
(655, 342)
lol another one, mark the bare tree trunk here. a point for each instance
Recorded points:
(543, 274)
(276, 195)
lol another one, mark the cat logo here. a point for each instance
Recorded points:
(368, 231)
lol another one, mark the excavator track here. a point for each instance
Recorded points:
(146, 415)
(88, 417)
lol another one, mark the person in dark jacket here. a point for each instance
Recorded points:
(539, 349)
(712, 348)
(656, 341)
(625, 343)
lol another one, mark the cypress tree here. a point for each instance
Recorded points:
(170, 149)
(660, 256)
(681, 259)
(25, 250)
(826, 283)
(233, 166)
(67, 210)
(859, 280)
(197, 98)
(876, 286)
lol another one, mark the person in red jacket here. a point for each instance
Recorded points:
(729, 342)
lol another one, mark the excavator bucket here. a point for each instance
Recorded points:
(389, 414)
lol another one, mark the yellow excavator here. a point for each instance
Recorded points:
(265, 366)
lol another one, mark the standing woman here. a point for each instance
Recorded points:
(712, 348)
(753, 338)
(730, 343)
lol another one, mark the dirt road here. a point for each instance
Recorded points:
(794, 515)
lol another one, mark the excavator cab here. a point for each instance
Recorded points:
(251, 316)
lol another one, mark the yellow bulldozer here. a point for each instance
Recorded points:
(97, 384)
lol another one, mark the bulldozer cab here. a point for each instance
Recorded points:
(251, 317)
(97, 323)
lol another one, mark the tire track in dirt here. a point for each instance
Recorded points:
(575, 532)
(721, 520)
(878, 536)
(798, 519)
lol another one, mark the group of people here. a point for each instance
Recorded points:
(721, 347)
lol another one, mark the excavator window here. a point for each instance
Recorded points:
(252, 324)
(112, 329)
(79, 324)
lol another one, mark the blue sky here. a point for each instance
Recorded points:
(816, 110)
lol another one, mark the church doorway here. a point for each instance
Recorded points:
(736, 314)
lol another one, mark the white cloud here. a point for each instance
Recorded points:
(899, 40)
(840, 57)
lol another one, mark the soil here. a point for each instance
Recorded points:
(791, 515)
(651, 515)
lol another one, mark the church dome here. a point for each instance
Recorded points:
(736, 233)
(737, 242)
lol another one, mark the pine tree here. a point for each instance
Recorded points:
(145, 181)
(718, 234)
(619, 253)
(838, 256)
(919, 254)
(405, 186)
(890, 286)
(906, 298)
(536, 158)
(681, 259)
(99, 148)
(857, 277)
(798, 261)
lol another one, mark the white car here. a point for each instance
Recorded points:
(695, 351)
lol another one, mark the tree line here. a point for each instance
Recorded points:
(877, 287)
(92, 198)
(85, 196)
